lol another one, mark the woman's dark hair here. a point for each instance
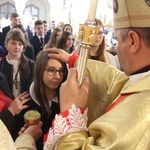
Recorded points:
(39, 87)
(69, 26)
(52, 41)
(63, 39)
(18, 36)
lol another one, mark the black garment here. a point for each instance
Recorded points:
(29, 52)
(5, 30)
(94, 57)
(4, 86)
(1, 39)
(30, 34)
(47, 121)
(6, 116)
(7, 70)
(142, 70)
(35, 42)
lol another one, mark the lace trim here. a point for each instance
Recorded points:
(75, 121)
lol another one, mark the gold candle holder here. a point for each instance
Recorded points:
(87, 35)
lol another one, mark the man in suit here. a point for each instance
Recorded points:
(53, 26)
(39, 39)
(14, 19)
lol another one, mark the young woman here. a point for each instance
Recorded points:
(48, 76)
(66, 42)
(28, 51)
(18, 70)
(55, 36)
(68, 28)
(97, 51)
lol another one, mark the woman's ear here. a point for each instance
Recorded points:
(134, 41)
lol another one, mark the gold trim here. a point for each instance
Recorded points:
(133, 17)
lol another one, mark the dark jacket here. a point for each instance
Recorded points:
(5, 30)
(47, 121)
(7, 70)
(6, 116)
(29, 52)
(35, 42)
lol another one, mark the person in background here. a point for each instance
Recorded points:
(18, 70)
(125, 122)
(97, 50)
(49, 74)
(26, 139)
(66, 42)
(14, 19)
(54, 38)
(29, 31)
(28, 51)
(52, 27)
(45, 26)
(61, 25)
(39, 39)
(68, 27)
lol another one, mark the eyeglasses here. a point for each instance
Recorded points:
(101, 34)
(52, 71)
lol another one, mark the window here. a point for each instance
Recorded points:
(6, 9)
(32, 10)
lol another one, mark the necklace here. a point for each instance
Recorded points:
(16, 81)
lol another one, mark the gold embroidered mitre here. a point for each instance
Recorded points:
(131, 13)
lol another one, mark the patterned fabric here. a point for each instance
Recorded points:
(75, 121)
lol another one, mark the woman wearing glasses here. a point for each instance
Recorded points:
(97, 51)
(49, 74)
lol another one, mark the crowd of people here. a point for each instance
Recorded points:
(109, 110)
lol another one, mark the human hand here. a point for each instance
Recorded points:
(71, 92)
(60, 54)
(17, 105)
(34, 130)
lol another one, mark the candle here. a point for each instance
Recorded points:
(92, 10)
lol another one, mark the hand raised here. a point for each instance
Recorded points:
(73, 93)
(58, 54)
